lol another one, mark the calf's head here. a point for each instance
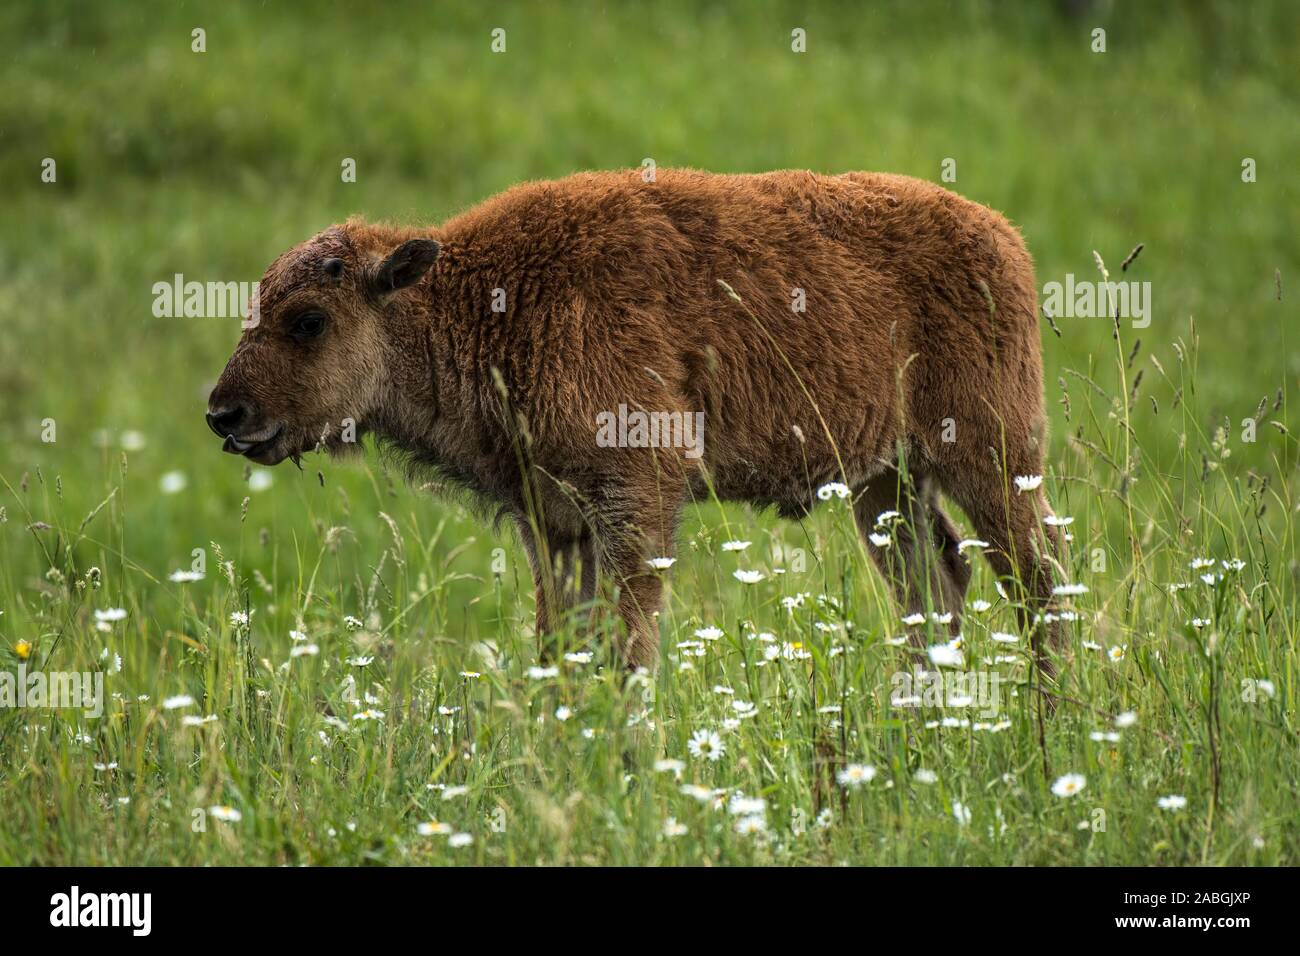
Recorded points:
(314, 351)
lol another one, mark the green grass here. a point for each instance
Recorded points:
(211, 164)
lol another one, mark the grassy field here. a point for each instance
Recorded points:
(351, 673)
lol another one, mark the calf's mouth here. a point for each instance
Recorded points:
(255, 445)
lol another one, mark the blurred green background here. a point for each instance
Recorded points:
(210, 164)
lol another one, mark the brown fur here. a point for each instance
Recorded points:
(920, 307)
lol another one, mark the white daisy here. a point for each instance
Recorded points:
(855, 775)
(1265, 686)
(1070, 590)
(748, 577)
(706, 744)
(1069, 784)
(834, 489)
(1028, 482)
(1172, 802)
(743, 806)
(794, 652)
(132, 440)
(735, 545)
(945, 655)
(173, 482)
(670, 765)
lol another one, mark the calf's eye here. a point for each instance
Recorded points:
(307, 326)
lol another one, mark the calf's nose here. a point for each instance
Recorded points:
(225, 420)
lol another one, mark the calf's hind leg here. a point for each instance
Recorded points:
(921, 562)
(634, 523)
(1020, 547)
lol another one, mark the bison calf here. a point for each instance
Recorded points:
(870, 330)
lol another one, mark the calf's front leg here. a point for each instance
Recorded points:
(564, 574)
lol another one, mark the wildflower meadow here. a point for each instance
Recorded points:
(206, 661)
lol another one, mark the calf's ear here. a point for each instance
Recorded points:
(405, 266)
